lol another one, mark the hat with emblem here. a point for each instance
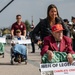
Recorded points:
(57, 27)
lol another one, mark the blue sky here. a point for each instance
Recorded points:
(35, 8)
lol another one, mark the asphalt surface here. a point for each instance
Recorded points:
(32, 67)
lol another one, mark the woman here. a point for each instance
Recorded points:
(45, 25)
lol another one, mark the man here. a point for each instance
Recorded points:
(57, 48)
(32, 41)
(18, 25)
(19, 48)
(66, 21)
(73, 31)
(18, 35)
(73, 19)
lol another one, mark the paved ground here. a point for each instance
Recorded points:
(32, 68)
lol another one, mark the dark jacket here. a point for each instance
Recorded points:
(44, 29)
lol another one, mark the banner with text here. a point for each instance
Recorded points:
(62, 68)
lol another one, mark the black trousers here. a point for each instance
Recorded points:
(33, 46)
(73, 41)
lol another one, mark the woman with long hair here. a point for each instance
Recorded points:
(45, 25)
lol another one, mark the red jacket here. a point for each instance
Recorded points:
(50, 44)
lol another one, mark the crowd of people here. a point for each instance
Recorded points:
(71, 27)
(52, 34)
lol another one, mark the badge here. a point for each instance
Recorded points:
(21, 26)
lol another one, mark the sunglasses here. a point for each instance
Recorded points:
(18, 18)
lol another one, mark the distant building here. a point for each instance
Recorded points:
(6, 31)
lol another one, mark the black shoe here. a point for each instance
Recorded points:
(32, 52)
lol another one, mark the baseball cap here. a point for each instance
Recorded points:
(57, 27)
(72, 17)
(18, 31)
(66, 20)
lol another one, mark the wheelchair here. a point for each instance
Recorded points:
(17, 57)
(2, 49)
(2, 45)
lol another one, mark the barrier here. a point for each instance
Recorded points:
(62, 68)
(2, 40)
(27, 41)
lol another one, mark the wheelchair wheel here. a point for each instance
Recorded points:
(12, 56)
(11, 62)
(3, 55)
(25, 62)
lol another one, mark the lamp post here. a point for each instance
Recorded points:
(32, 25)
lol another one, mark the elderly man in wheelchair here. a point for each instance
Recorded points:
(57, 47)
(18, 51)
